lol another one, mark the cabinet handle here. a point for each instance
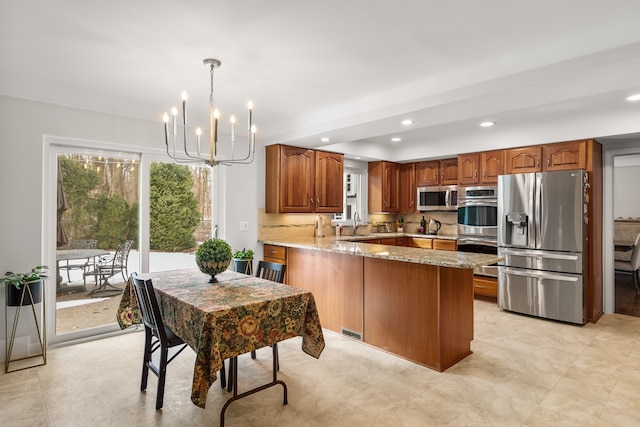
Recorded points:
(311, 200)
(384, 203)
(318, 202)
(475, 173)
(548, 161)
(478, 286)
(537, 163)
(273, 252)
(484, 174)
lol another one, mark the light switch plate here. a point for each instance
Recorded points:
(244, 226)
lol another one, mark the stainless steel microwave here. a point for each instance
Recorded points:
(438, 198)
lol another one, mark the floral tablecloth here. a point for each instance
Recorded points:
(222, 320)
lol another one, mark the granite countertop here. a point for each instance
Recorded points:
(398, 253)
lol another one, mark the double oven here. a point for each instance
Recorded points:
(478, 223)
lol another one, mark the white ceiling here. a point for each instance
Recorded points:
(349, 70)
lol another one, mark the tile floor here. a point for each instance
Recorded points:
(524, 372)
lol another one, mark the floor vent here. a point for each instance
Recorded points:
(351, 334)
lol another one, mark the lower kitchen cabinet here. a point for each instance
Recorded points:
(485, 287)
(337, 284)
(419, 242)
(445, 245)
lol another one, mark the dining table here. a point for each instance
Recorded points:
(223, 320)
(74, 254)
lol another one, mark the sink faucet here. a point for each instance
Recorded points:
(356, 222)
(386, 226)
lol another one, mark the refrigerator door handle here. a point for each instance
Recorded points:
(538, 275)
(541, 255)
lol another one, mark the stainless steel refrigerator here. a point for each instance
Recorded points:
(542, 231)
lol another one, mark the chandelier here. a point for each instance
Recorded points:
(196, 154)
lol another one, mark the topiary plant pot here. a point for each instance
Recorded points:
(212, 268)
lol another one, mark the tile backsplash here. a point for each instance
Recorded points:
(273, 226)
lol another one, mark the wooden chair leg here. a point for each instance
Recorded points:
(145, 359)
(162, 377)
(253, 354)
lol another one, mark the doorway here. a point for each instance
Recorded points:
(626, 226)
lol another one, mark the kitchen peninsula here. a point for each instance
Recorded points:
(415, 303)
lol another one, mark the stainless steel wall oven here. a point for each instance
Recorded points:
(478, 212)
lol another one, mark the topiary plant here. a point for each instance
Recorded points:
(213, 256)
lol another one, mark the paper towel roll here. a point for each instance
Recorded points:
(319, 232)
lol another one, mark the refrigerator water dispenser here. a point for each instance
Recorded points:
(517, 233)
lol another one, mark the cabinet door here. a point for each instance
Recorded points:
(384, 187)
(391, 187)
(329, 179)
(449, 171)
(523, 160)
(468, 169)
(427, 173)
(445, 245)
(565, 156)
(419, 242)
(491, 165)
(297, 179)
(408, 190)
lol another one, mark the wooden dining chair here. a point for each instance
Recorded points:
(274, 272)
(157, 336)
(269, 271)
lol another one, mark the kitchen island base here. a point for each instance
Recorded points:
(420, 312)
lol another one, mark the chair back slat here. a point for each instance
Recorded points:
(271, 271)
(151, 316)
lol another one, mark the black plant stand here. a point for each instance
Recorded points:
(25, 296)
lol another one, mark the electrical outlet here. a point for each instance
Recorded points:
(244, 226)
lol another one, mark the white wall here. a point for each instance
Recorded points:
(626, 176)
(23, 173)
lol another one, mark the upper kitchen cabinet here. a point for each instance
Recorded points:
(480, 168)
(300, 180)
(550, 157)
(408, 192)
(437, 172)
(384, 187)
(565, 156)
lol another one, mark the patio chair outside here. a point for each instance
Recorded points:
(109, 266)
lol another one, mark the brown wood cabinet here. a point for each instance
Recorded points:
(437, 172)
(480, 168)
(420, 242)
(337, 284)
(408, 192)
(485, 287)
(300, 180)
(273, 253)
(550, 157)
(384, 187)
(445, 245)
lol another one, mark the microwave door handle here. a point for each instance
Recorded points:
(538, 275)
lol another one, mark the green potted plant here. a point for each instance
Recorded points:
(30, 283)
(243, 261)
(400, 223)
(213, 256)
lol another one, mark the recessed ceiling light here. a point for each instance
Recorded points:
(635, 97)
(407, 122)
(325, 139)
(357, 158)
(487, 124)
(396, 139)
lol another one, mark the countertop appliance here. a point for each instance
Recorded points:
(437, 198)
(434, 227)
(541, 234)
